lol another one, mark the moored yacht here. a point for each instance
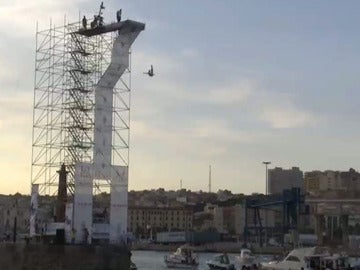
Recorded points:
(246, 257)
(220, 262)
(300, 258)
(184, 258)
(133, 266)
(311, 258)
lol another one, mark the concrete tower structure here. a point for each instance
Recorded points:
(102, 167)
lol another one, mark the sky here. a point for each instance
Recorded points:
(237, 83)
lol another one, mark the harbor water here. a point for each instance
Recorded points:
(154, 260)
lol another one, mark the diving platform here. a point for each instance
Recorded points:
(123, 27)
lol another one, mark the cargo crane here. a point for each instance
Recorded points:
(290, 203)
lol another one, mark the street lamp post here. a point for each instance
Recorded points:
(266, 163)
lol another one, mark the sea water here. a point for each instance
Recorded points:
(154, 260)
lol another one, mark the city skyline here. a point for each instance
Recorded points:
(236, 83)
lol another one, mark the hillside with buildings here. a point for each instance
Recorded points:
(158, 210)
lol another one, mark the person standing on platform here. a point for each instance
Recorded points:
(84, 22)
(118, 15)
(94, 23)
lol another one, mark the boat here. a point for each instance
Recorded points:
(338, 261)
(246, 257)
(300, 258)
(220, 262)
(311, 258)
(133, 266)
(184, 258)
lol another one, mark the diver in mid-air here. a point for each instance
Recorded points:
(150, 72)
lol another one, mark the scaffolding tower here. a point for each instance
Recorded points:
(68, 64)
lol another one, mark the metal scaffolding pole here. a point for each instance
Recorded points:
(68, 65)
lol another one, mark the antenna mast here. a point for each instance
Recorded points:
(209, 178)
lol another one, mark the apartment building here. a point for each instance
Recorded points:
(321, 181)
(142, 220)
(18, 208)
(280, 179)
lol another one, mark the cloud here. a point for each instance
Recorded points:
(190, 52)
(170, 89)
(173, 89)
(8, 69)
(16, 115)
(286, 116)
(234, 94)
(257, 103)
(22, 15)
(229, 94)
(202, 139)
(218, 130)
